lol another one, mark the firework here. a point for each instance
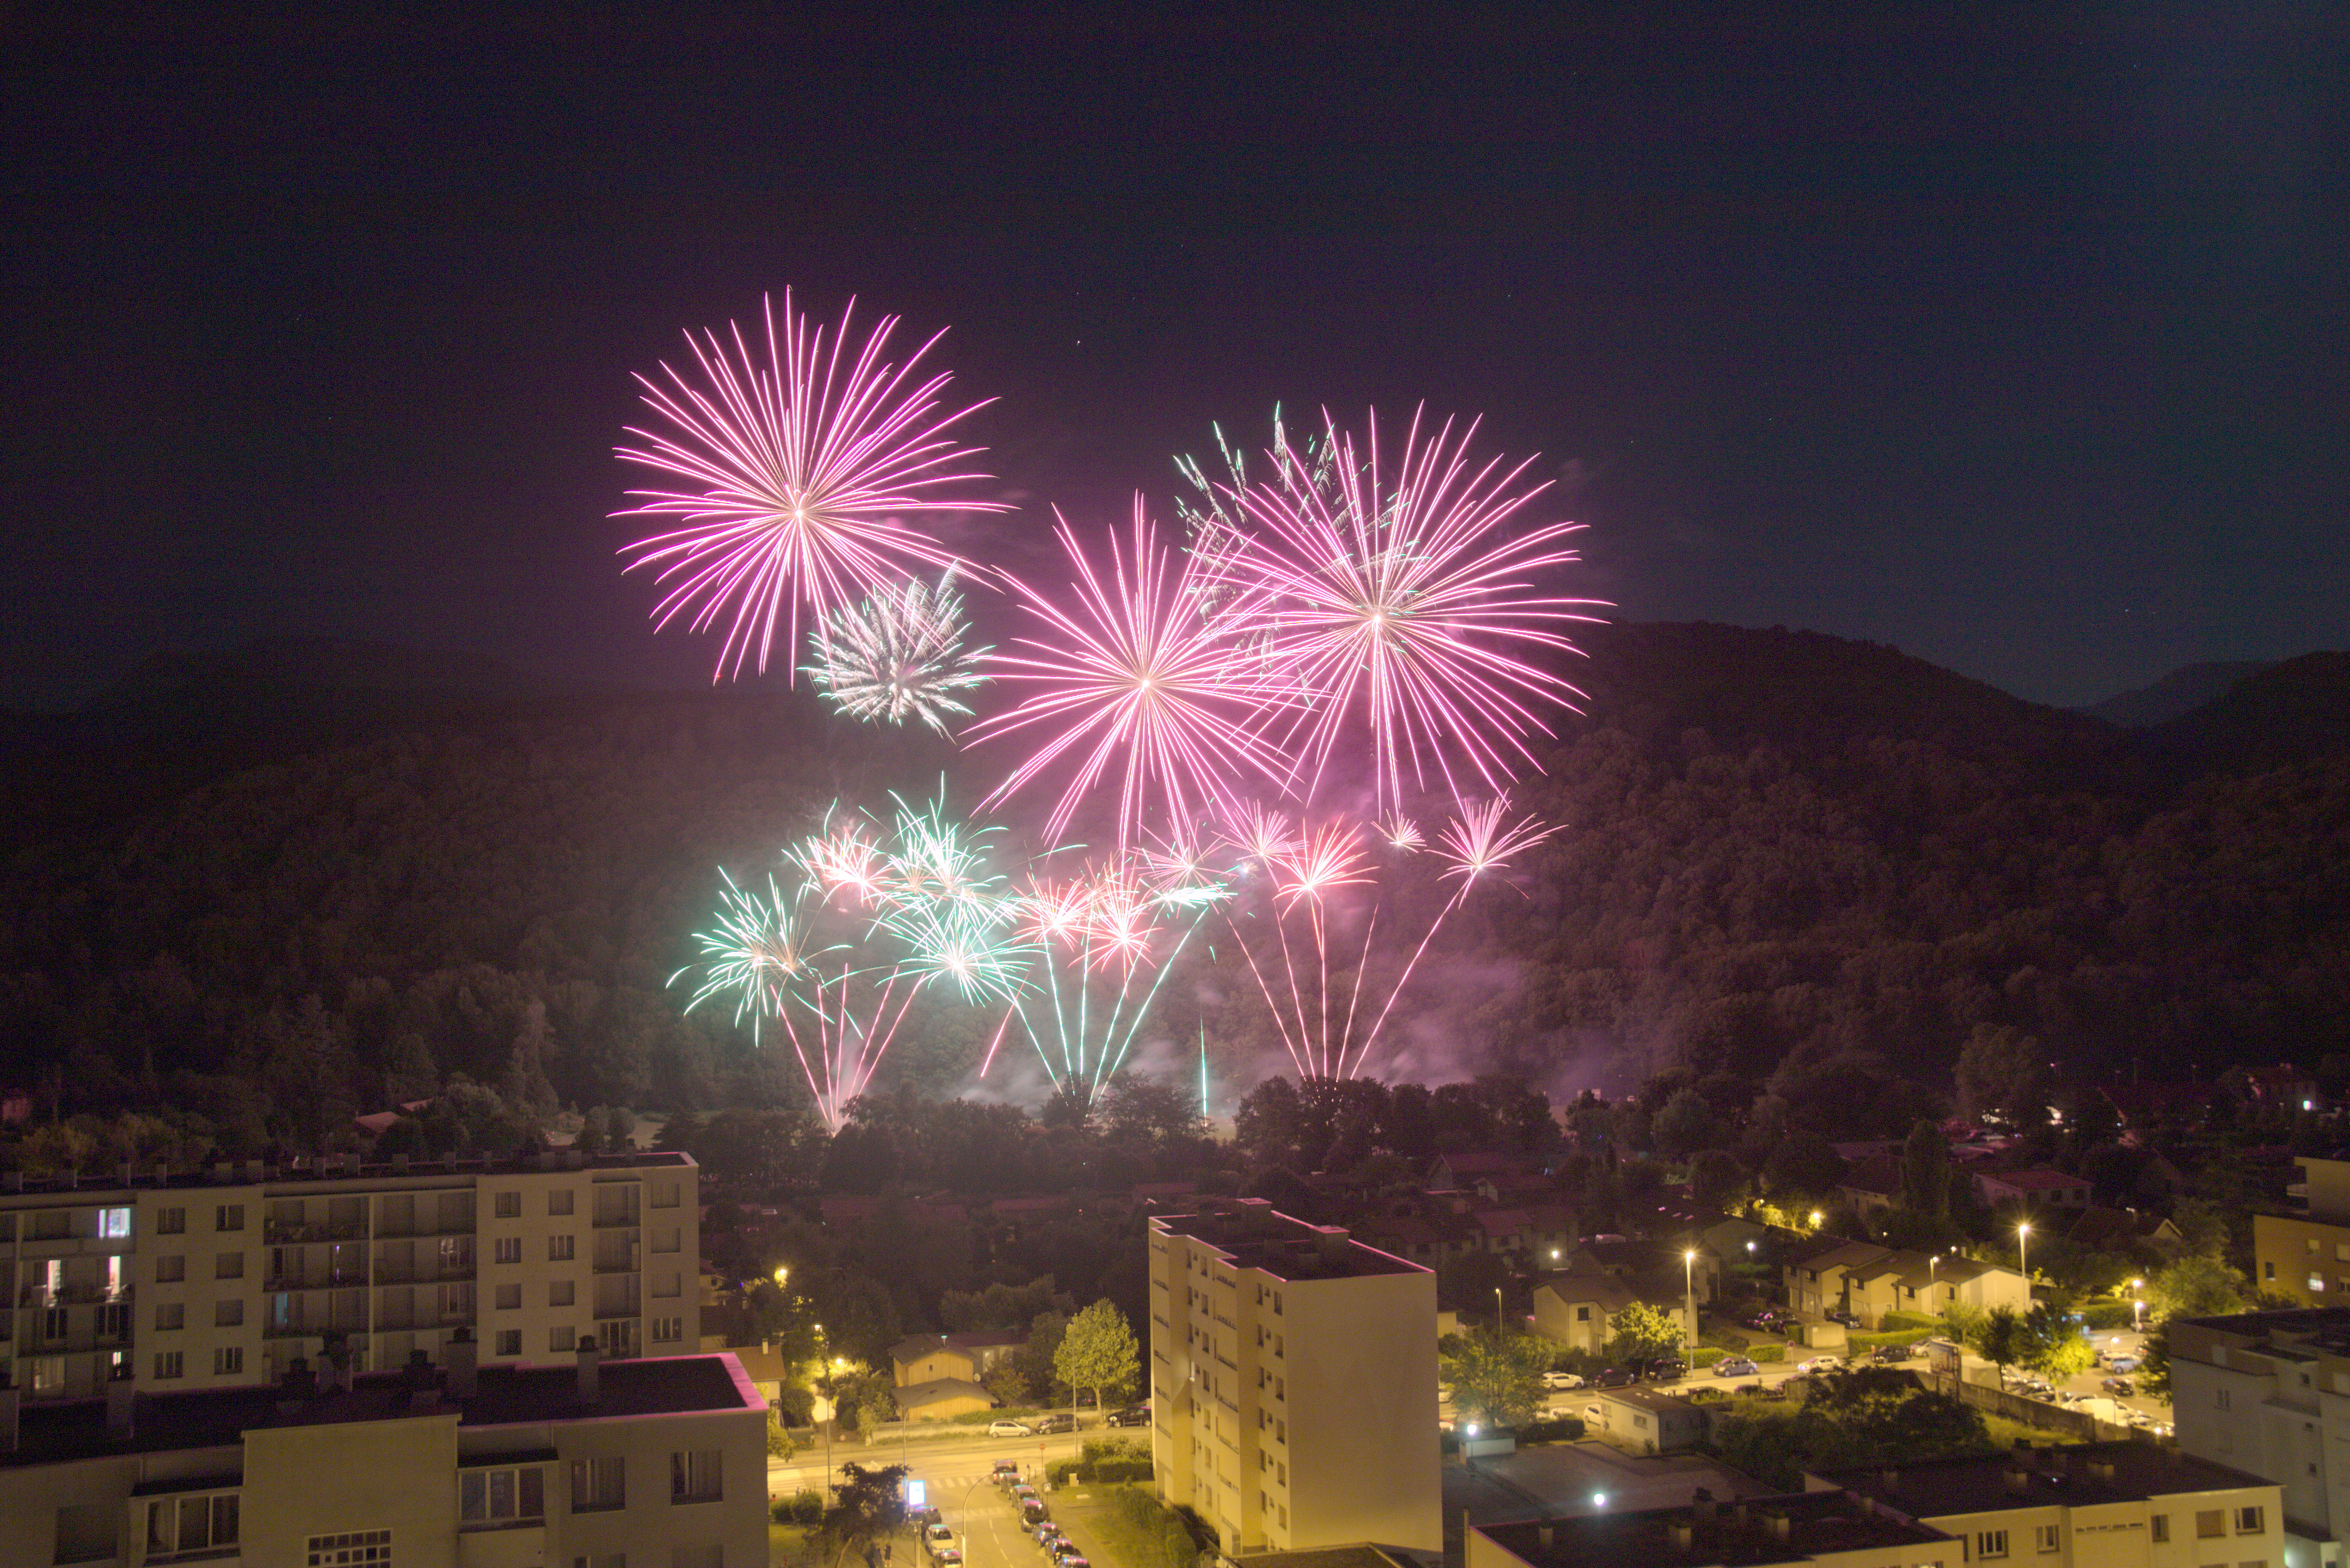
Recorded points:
(757, 948)
(795, 470)
(1402, 833)
(1391, 594)
(898, 654)
(1137, 679)
(1321, 985)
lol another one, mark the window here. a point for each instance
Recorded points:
(171, 1270)
(169, 1363)
(1583, 1314)
(558, 1200)
(507, 1206)
(2311, 1242)
(113, 1223)
(1990, 1543)
(2160, 1527)
(501, 1496)
(666, 1237)
(229, 1217)
(509, 1341)
(355, 1549)
(561, 1292)
(171, 1221)
(558, 1249)
(177, 1527)
(228, 1361)
(693, 1476)
(2046, 1537)
(228, 1314)
(2210, 1523)
(509, 1298)
(85, 1532)
(562, 1338)
(2268, 1270)
(2316, 1281)
(2224, 1398)
(598, 1483)
(229, 1266)
(2252, 1521)
(664, 1194)
(170, 1315)
(668, 1330)
(509, 1250)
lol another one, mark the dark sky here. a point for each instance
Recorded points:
(2013, 336)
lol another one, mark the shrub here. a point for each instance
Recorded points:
(1861, 1341)
(1896, 1321)
(803, 1507)
(1061, 1472)
(2107, 1315)
(1705, 1354)
(1007, 1413)
(1762, 1353)
(1564, 1429)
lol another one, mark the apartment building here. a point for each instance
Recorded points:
(2305, 1253)
(221, 1279)
(2270, 1393)
(1830, 1530)
(2096, 1505)
(656, 1463)
(1292, 1375)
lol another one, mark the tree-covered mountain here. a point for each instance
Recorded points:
(2181, 693)
(1806, 868)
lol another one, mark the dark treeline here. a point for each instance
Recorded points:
(1814, 868)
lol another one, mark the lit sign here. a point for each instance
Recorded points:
(916, 1491)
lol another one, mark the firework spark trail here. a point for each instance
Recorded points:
(1139, 675)
(1390, 593)
(898, 654)
(1312, 869)
(796, 470)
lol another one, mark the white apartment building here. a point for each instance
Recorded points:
(1293, 1400)
(655, 1463)
(2270, 1393)
(2093, 1505)
(221, 1279)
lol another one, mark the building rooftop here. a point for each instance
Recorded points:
(1363, 1555)
(2077, 1475)
(2038, 1180)
(1735, 1535)
(97, 1186)
(2325, 1328)
(209, 1418)
(1253, 1235)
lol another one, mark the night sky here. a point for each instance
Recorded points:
(2015, 339)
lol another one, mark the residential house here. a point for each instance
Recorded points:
(1460, 1172)
(1873, 1185)
(1865, 1280)
(2106, 1229)
(941, 1399)
(2032, 1191)
(923, 1358)
(1647, 1421)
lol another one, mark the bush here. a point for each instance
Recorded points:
(1896, 1321)
(803, 1507)
(1564, 1429)
(2107, 1315)
(1705, 1354)
(1861, 1341)
(1762, 1353)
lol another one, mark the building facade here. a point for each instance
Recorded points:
(1293, 1376)
(2270, 1393)
(1865, 1280)
(1824, 1529)
(220, 1280)
(2305, 1253)
(657, 1463)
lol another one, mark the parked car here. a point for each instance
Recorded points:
(1046, 1533)
(1820, 1363)
(1034, 1512)
(1891, 1353)
(2123, 1362)
(1132, 1416)
(1006, 1472)
(938, 1538)
(1010, 1429)
(948, 1557)
(1022, 1492)
(1058, 1422)
(1561, 1380)
(1613, 1378)
(1836, 1314)
(2119, 1387)
(1065, 1549)
(1663, 1368)
(1736, 1366)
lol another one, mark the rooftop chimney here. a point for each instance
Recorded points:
(460, 1365)
(122, 1406)
(591, 1372)
(8, 1411)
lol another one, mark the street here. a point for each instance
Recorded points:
(932, 1460)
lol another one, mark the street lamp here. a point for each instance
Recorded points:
(1818, 1219)
(2138, 1306)
(1500, 1318)
(1689, 1287)
(2022, 1235)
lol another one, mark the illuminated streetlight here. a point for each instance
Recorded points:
(2022, 1235)
(782, 1273)
(1689, 1287)
(1818, 1219)
(1599, 1499)
(2138, 1306)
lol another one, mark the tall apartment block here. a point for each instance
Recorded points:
(183, 1281)
(2304, 1252)
(1293, 1377)
(2268, 1392)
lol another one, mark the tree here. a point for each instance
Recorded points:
(780, 1444)
(2154, 1368)
(1098, 1352)
(1998, 1339)
(1038, 1358)
(871, 1503)
(2002, 1071)
(1804, 1165)
(1716, 1178)
(1926, 1172)
(1643, 1333)
(2048, 1343)
(1684, 1125)
(1496, 1374)
(2196, 1286)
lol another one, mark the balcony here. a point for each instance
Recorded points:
(615, 1219)
(275, 1234)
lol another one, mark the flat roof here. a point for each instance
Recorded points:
(1733, 1535)
(2070, 1475)
(93, 1188)
(219, 1418)
(1360, 1555)
(1253, 1235)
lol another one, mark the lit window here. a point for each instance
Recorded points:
(114, 1223)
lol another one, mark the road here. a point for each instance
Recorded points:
(933, 1458)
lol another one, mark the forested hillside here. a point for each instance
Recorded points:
(1814, 865)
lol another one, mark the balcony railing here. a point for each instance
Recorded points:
(275, 1234)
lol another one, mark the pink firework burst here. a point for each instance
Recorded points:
(1136, 678)
(795, 470)
(1394, 594)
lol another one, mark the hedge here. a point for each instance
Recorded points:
(2107, 1315)
(1008, 1413)
(1762, 1353)
(1901, 1320)
(1564, 1429)
(1877, 1341)
(1705, 1354)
